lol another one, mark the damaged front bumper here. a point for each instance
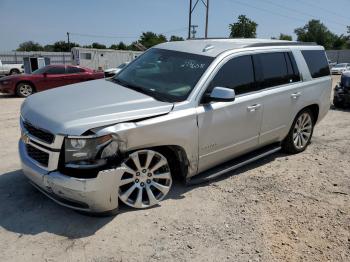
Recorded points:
(95, 195)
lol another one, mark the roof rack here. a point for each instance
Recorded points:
(281, 44)
(271, 42)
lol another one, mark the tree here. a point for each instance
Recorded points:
(285, 37)
(244, 27)
(315, 31)
(120, 46)
(30, 46)
(62, 46)
(149, 39)
(176, 38)
(98, 46)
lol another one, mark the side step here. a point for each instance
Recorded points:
(234, 164)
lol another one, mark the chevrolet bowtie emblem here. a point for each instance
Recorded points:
(25, 138)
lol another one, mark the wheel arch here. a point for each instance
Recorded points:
(315, 109)
(177, 157)
(26, 82)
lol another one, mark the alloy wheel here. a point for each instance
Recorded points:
(302, 131)
(146, 179)
(25, 90)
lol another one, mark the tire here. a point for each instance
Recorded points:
(14, 72)
(300, 133)
(338, 104)
(146, 180)
(24, 89)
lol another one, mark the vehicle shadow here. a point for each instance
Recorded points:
(339, 109)
(26, 211)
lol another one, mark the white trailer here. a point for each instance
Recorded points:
(101, 59)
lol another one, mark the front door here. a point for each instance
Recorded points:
(228, 129)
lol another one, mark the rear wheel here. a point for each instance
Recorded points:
(14, 72)
(146, 180)
(300, 133)
(24, 89)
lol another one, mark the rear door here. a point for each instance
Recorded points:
(75, 75)
(281, 90)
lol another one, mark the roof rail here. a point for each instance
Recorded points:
(281, 44)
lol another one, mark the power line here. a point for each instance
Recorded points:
(325, 10)
(266, 10)
(301, 12)
(181, 29)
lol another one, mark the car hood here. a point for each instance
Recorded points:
(13, 77)
(74, 109)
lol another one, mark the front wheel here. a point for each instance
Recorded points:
(146, 180)
(300, 133)
(24, 89)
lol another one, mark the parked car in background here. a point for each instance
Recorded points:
(191, 110)
(342, 92)
(11, 69)
(45, 78)
(331, 64)
(338, 69)
(113, 71)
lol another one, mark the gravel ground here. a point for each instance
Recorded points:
(283, 208)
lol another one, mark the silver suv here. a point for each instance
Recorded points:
(191, 110)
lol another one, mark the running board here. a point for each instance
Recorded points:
(234, 164)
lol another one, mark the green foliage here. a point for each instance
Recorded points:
(285, 37)
(98, 46)
(244, 27)
(176, 38)
(149, 39)
(62, 46)
(30, 46)
(315, 31)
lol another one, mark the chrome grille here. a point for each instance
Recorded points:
(40, 134)
(38, 155)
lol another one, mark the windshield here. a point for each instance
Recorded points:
(163, 74)
(40, 71)
(122, 65)
(340, 65)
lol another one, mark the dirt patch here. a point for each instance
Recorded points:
(282, 208)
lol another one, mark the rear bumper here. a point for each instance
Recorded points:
(96, 195)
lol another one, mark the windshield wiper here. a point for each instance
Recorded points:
(156, 96)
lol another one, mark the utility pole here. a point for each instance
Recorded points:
(192, 8)
(68, 41)
(194, 31)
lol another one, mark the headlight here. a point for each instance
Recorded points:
(86, 151)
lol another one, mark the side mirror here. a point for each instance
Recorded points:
(220, 94)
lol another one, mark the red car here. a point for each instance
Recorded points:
(45, 78)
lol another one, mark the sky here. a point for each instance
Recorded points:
(111, 21)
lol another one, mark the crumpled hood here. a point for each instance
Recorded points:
(74, 109)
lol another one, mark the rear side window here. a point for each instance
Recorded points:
(272, 68)
(317, 62)
(238, 74)
(74, 70)
(56, 70)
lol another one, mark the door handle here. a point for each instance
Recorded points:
(253, 108)
(295, 95)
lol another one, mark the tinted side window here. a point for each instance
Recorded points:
(317, 62)
(238, 74)
(56, 70)
(273, 68)
(296, 73)
(74, 70)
